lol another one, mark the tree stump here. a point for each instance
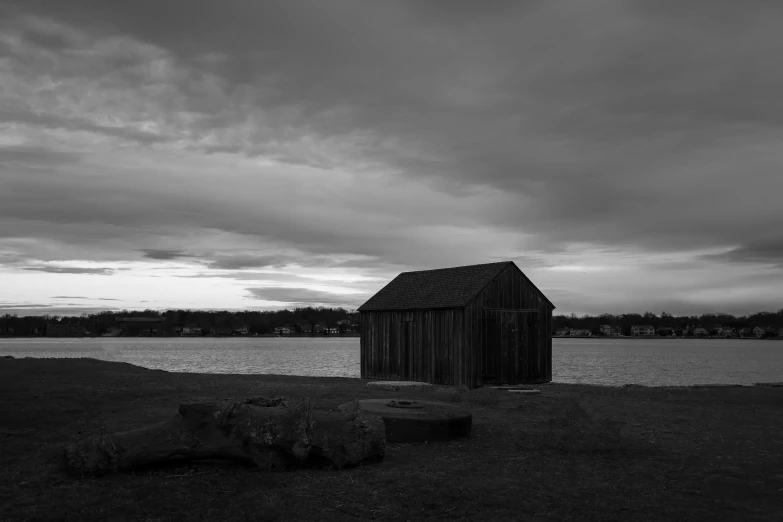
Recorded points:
(260, 432)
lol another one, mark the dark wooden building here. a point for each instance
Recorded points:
(471, 325)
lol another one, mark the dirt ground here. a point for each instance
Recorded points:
(571, 453)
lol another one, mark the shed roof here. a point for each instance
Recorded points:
(440, 288)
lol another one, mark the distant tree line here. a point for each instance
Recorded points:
(677, 323)
(257, 322)
(299, 319)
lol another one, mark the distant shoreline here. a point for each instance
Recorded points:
(355, 335)
(616, 337)
(274, 336)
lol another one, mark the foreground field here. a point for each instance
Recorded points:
(573, 452)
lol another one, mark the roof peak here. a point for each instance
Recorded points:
(457, 267)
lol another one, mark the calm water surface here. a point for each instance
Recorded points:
(651, 362)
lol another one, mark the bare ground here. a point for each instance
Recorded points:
(573, 452)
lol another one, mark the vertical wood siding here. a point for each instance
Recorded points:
(421, 345)
(489, 343)
(471, 346)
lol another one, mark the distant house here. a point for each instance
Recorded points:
(345, 325)
(759, 331)
(114, 331)
(700, 332)
(242, 330)
(780, 332)
(63, 330)
(746, 332)
(220, 330)
(609, 330)
(134, 326)
(726, 331)
(769, 331)
(306, 328)
(562, 332)
(191, 330)
(642, 330)
(284, 330)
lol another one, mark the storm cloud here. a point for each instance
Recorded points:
(631, 166)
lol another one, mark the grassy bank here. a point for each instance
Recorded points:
(574, 451)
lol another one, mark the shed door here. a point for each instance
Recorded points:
(506, 346)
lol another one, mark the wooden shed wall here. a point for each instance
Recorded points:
(419, 345)
(510, 290)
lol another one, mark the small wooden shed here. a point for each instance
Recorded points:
(471, 325)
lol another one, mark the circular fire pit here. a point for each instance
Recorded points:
(404, 404)
(417, 421)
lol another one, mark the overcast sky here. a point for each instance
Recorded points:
(258, 154)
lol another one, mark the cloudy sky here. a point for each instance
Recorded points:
(259, 154)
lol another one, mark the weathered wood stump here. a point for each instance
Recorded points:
(265, 433)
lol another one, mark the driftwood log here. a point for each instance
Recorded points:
(264, 433)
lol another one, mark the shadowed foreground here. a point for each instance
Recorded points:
(573, 451)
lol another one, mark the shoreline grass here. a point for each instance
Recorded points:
(574, 451)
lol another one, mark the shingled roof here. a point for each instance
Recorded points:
(441, 288)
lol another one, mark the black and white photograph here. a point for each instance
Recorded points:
(335, 260)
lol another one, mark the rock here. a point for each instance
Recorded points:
(256, 432)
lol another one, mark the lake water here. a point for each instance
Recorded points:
(650, 362)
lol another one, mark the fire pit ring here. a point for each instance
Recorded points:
(405, 404)
(416, 421)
